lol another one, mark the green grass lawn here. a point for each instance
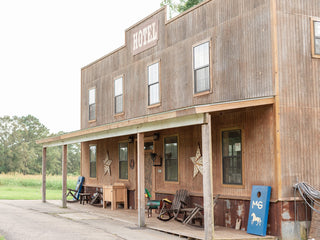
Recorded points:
(28, 187)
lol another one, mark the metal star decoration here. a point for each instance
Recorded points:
(197, 163)
(106, 163)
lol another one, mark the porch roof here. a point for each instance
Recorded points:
(194, 115)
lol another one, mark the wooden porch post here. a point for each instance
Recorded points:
(207, 179)
(44, 174)
(141, 197)
(64, 175)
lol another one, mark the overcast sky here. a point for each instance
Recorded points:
(45, 43)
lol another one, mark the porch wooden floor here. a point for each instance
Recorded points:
(171, 227)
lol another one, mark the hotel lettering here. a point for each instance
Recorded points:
(145, 37)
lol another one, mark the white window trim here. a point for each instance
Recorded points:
(95, 102)
(114, 96)
(196, 94)
(159, 83)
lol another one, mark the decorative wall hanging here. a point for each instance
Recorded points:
(106, 163)
(197, 162)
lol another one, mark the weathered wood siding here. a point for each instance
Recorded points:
(299, 77)
(112, 146)
(257, 150)
(241, 61)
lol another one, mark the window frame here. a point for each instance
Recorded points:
(165, 162)
(159, 84)
(95, 104)
(93, 145)
(207, 91)
(313, 37)
(232, 185)
(127, 169)
(115, 96)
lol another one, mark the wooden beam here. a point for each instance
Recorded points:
(64, 175)
(276, 106)
(235, 105)
(150, 123)
(141, 197)
(44, 173)
(207, 179)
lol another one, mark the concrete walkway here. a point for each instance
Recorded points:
(27, 219)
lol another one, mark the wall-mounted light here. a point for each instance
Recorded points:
(156, 136)
(157, 160)
(130, 139)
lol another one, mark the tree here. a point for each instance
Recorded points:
(20, 153)
(175, 8)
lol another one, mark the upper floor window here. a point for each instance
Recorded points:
(118, 95)
(201, 69)
(93, 160)
(123, 160)
(232, 157)
(92, 104)
(153, 84)
(171, 158)
(315, 38)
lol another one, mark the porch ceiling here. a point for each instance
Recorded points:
(180, 118)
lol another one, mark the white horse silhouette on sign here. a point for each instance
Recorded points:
(255, 219)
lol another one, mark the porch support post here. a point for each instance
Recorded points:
(64, 176)
(141, 197)
(207, 178)
(44, 174)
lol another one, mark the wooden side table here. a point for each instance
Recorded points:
(84, 197)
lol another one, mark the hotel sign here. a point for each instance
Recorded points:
(145, 37)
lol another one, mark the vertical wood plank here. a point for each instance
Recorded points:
(64, 176)
(207, 179)
(44, 173)
(275, 67)
(141, 197)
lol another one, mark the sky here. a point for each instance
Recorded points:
(45, 43)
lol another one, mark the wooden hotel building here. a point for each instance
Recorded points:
(236, 81)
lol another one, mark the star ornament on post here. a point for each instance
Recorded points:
(197, 163)
(106, 164)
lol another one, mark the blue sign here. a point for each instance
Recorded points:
(259, 210)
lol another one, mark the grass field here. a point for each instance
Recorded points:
(28, 187)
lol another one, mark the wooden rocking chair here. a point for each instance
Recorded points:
(75, 193)
(172, 209)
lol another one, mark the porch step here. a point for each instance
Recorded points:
(194, 233)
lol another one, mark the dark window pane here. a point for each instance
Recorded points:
(202, 80)
(231, 157)
(93, 159)
(154, 94)
(92, 112)
(317, 29)
(118, 104)
(171, 158)
(317, 46)
(123, 160)
(148, 146)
